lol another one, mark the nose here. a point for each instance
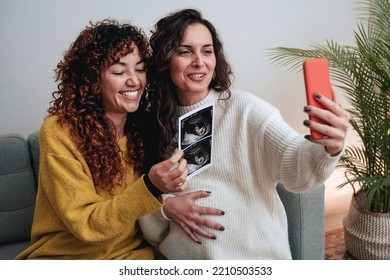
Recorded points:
(198, 61)
(132, 80)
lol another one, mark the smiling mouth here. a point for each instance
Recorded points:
(130, 93)
(197, 76)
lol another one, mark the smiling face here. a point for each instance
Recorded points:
(192, 65)
(122, 85)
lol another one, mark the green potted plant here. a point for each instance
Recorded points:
(362, 72)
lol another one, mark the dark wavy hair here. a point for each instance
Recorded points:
(166, 37)
(77, 101)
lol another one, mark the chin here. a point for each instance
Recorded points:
(132, 109)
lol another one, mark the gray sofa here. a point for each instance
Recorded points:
(19, 166)
(18, 181)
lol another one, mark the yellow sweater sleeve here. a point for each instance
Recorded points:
(90, 214)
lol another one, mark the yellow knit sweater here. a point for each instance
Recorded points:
(74, 219)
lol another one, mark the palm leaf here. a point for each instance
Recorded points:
(362, 72)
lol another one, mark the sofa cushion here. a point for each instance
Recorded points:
(33, 143)
(11, 250)
(17, 189)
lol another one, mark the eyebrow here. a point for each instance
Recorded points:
(189, 46)
(124, 64)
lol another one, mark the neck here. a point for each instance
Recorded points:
(118, 121)
(191, 98)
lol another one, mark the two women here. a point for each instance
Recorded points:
(98, 175)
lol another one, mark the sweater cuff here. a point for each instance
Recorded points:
(336, 156)
(153, 190)
(162, 215)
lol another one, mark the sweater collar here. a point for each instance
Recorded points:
(211, 97)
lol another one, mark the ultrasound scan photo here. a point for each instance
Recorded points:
(195, 138)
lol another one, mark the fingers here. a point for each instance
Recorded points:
(336, 123)
(333, 114)
(178, 176)
(190, 234)
(180, 186)
(211, 224)
(333, 141)
(170, 175)
(191, 217)
(334, 95)
(195, 227)
(173, 162)
(204, 233)
(203, 210)
(180, 172)
(198, 219)
(330, 106)
(198, 194)
(177, 172)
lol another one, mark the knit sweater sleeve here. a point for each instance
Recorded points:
(68, 185)
(291, 159)
(155, 227)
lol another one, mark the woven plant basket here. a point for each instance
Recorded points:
(366, 234)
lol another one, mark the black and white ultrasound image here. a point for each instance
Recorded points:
(196, 127)
(198, 155)
(195, 138)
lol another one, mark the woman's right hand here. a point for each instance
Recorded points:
(170, 175)
(185, 213)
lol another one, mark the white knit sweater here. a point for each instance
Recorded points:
(253, 150)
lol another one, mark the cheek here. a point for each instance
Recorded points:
(177, 67)
(104, 90)
(212, 63)
(175, 74)
(143, 80)
(108, 84)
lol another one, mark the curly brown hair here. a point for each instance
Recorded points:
(78, 105)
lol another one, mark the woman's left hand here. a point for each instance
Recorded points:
(184, 212)
(337, 120)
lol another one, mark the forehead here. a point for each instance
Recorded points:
(127, 59)
(197, 33)
(134, 53)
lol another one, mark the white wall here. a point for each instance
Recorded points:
(34, 35)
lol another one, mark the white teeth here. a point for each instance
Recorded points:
(198, 75)
(130, 93)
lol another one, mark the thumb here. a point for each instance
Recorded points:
(177, 155)
(173, 161)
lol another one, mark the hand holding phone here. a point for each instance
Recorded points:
(317, 80)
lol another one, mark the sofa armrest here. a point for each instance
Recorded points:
(306, 218)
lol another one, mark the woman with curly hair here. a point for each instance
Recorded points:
(253, 149)
(97, 152)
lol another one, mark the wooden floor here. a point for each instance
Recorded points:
(334, 245)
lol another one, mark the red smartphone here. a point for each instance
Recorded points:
(317, 80)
